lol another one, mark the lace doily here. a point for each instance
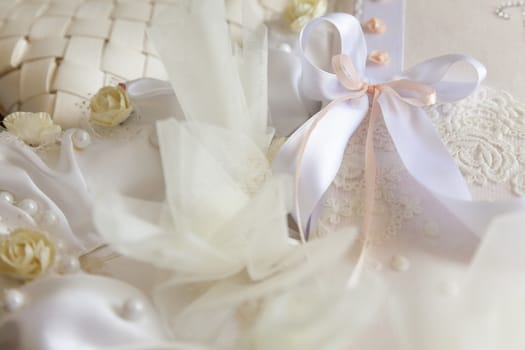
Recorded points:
(484, 133)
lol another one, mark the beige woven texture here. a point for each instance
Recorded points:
(54, 55)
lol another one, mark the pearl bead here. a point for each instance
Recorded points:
(13, 300)
(132, 309)
(81, 139)
(29, 206)
(69, 264)
(285, 47)
(49, 218)
(7, 197)
(60, 246)
(399, 263)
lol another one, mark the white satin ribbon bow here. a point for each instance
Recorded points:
(314, 152)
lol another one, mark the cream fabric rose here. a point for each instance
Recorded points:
(300, 12)
(35, 129)
(110, 106)
(26, 254)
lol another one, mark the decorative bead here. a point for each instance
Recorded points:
(399, 263)
(379, 57)
(358, 6)
(13, 300)
(285, 47)
(49, 218)
(29, 206)
(60, 246)
(375, 25)
(69, 264)
(132, 309)
(7, 197)
(81, 139)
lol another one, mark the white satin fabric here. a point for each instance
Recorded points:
(54, 188)
(413, 134)
(81, 312)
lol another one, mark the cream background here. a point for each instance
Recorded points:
(469, 27)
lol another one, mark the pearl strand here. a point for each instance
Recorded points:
(358, 9)
(501, 10)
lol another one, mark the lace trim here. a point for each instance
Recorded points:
(485, 134)
(343, 204)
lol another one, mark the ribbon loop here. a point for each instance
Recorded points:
(412, 92)
(346, 73)
(450, 84)
(317, 83)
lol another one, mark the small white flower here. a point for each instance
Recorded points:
(35, 129)
(110, 106)
(300, 12)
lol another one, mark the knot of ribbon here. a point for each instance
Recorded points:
(314, 152)
(348, 77)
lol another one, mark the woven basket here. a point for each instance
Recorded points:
(55, 54)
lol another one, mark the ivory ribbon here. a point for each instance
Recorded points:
(314, 152)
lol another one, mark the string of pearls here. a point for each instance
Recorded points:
(501, 10)
(358, 9)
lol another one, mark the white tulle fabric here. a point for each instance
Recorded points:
(486, 310)
(222, 228)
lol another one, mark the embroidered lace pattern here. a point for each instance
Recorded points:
(484, 133)
(343, 204)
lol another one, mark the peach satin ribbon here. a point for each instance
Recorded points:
(420, 95)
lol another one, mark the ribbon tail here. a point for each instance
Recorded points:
(429, 162)
(478, 215)
(322, 155)
(370, 189)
